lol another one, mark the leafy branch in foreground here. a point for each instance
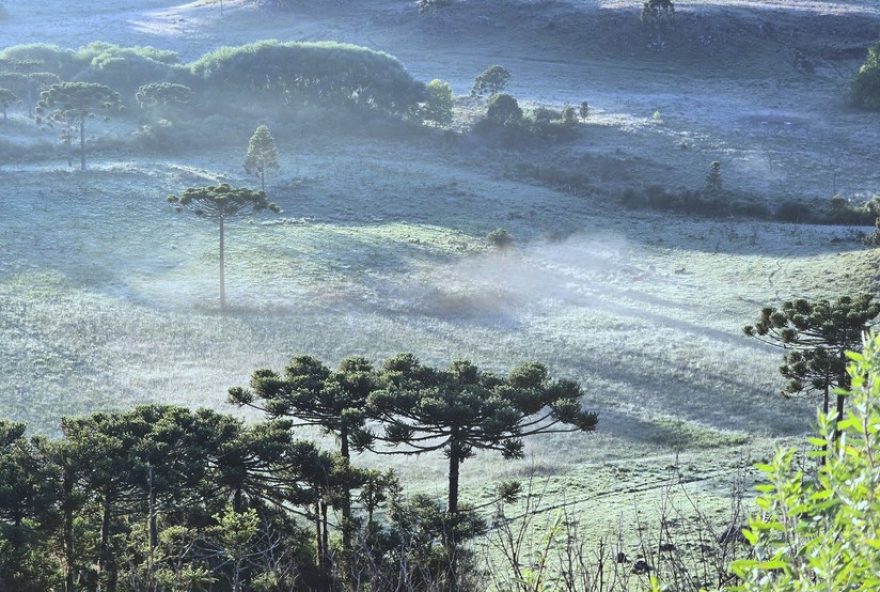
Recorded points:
(822, 532)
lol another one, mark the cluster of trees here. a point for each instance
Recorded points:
(816, 337)
(69, 87)
(164, 498)
(507, 120)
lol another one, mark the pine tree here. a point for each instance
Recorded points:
(262, 155)
(464, 409)
(815, 337)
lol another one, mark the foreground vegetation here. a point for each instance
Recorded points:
(162, 498)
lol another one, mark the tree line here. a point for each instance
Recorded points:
(167, 498)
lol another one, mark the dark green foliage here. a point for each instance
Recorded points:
(866, 85)
(815, 337)
(794, 211)
(70, 104)
(713, 179)
(222, 204)
(327, 73)
(491, 81)
(584, 110)
(503, 109)
(267, 73)
(310, 394)
(163, 94)
(463, 409)
(500, 239)
(569, 116)
(658, 13)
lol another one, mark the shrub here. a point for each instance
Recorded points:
(793, 211)
(821, 532)
(500, 239)
(569, 116)
(545, 115)
(503, 110)
(866, 85)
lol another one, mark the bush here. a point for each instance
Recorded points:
(503, 110)
(866, 85)
(820, 532)
(794, 211)
(500, 239)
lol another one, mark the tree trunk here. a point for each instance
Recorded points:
(325, 533)
(263, 179)
(82, 144)
(104, 555)
(237, 502)
(346, 494)
(154, 533)
(454, 463)
(67, 509)
(319, 540)
(222, 267)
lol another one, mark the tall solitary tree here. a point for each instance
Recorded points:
(815, 337)
(222, 204)
(262, 155)
(70, 104)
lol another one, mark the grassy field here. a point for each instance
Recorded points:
(108, 298)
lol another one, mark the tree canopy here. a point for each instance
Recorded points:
(71, 104)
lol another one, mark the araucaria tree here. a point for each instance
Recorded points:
(658, 13)
(815, 337)
(262, 155)
(309, 394)
(70, 104)
(222, 204)
(464, 409)
(158, 95)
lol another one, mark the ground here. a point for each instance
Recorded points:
(108, 297)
